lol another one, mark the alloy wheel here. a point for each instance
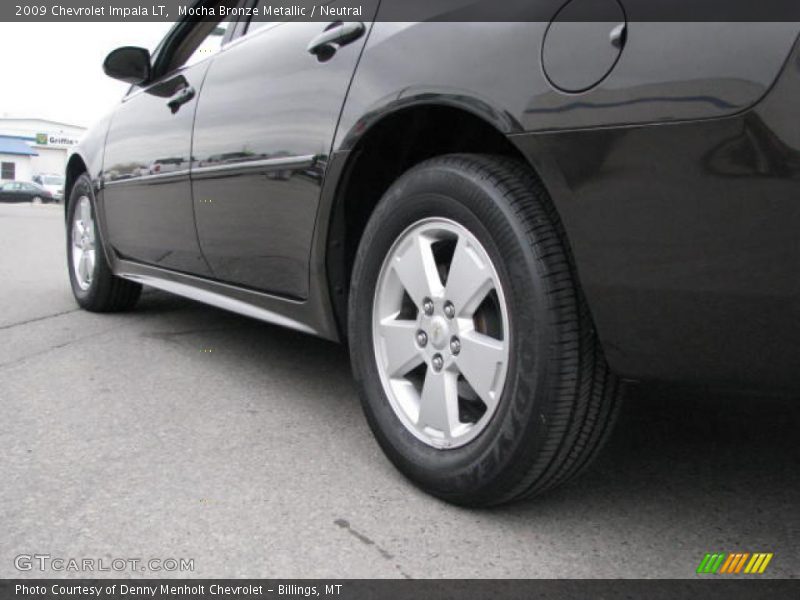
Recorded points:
(441, 333)
(83, 243)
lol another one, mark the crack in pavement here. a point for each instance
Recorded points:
(345, 524)
(36, 319)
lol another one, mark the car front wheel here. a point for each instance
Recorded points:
(94, 286)
(478, 366)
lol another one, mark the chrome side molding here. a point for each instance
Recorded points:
(167, 282)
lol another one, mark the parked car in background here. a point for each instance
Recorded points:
(53, 183)
(24, 191)
(505, 221)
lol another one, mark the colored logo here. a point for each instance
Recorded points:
(41, 139)
(720, 563)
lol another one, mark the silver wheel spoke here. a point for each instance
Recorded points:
(77, 233)
(417, 271)
(469, 280)
(401, 352)
(85, 211)
(77, 257)
(82, 266)
(439, 402)
(89, 264)
(481, 360)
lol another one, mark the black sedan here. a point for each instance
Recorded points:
(23, 191)
(507, 222)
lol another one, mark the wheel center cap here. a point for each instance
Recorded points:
(439, 332)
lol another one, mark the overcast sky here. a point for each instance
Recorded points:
(53, 70)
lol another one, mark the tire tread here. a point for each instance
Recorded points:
(588, 393)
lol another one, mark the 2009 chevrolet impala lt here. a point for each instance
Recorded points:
(504, 221)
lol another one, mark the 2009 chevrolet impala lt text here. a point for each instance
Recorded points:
(505, 222)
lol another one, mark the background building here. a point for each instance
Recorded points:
(30, 147)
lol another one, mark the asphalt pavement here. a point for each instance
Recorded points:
(182, 431)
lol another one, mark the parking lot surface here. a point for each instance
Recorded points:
(182, 431)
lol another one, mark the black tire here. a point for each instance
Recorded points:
(107, 292)
(560, 399)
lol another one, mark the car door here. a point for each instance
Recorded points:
(147, 202)
(263, 131)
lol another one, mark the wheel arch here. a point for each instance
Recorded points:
(381, 149)
(76, 166)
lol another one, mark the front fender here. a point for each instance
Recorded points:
(88, 156)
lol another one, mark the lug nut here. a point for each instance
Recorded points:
(427, 306)
(437, 362)
(422, 338)
(455, 345)
(449, 310)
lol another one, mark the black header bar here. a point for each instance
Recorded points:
(398, 10)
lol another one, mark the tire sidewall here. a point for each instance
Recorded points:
(517, 427)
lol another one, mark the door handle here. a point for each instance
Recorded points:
(181, 98)
(339, 34)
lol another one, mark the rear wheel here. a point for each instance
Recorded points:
(479, 369)
(36, 200)
(94, 286)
